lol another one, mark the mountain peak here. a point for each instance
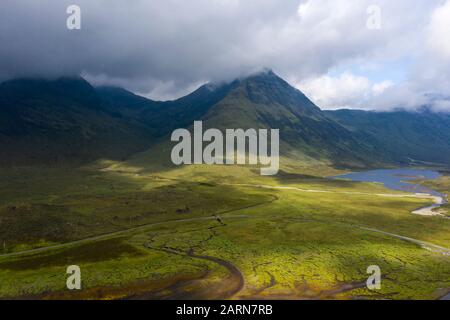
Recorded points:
(266, 87)
(263, 73)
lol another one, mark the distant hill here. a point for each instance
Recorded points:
(62, 122)
(67, 121)
(404, 137)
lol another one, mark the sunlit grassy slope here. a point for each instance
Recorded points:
(142, 231)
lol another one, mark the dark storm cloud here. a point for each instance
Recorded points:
(140, 43)
(164, 48)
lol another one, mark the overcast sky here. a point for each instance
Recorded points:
(166, 48)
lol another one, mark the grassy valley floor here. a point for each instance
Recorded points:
(211, 232)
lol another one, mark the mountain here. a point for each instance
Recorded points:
(347, 138)
(62, 121)
(163, 117)
(67, 121)
(265, 100)
(402, 136)
(262, 100)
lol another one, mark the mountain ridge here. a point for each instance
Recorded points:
(69, 119)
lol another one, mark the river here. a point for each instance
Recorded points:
(402, 179)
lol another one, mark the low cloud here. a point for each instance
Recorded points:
(344, 91)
